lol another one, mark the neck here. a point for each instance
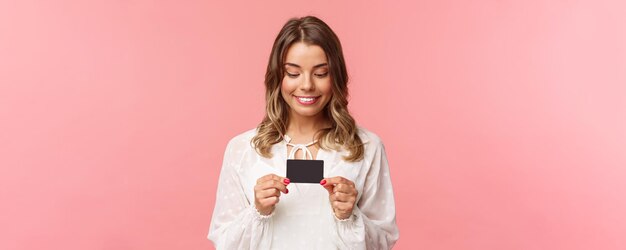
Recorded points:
(304, 127)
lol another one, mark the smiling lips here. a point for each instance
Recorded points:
(307, 100)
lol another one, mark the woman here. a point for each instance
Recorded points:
(306, 117)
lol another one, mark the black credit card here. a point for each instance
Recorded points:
(305, 171)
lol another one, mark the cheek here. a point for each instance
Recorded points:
(286, 88)
(288, 85)
(326, 87)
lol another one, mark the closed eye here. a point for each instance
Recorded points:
(292, 75)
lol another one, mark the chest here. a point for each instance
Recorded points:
(300, 153)
(255, 166)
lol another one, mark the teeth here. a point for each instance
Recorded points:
(306, 99)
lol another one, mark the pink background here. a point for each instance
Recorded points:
(504, 121)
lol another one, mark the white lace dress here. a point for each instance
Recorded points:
(303, 218)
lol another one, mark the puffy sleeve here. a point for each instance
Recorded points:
(373, 221)
(235, 223)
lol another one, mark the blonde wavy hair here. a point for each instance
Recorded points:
(343, 130)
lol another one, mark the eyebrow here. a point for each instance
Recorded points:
(298, 66)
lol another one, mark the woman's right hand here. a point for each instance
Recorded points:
(267, 192)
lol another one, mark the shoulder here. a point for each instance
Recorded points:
(242, 140)
(372, 143)
(368, 137)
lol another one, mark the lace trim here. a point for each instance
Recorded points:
(262, 217)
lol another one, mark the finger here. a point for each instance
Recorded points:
(263, 194)
(269, 177)
(344, 188)
(332, 189)
(265, 178)
(335, 180)
(270, 201)
(342, 206)
(342, 197)
(273, 184)
(329, 188)
(327, 185)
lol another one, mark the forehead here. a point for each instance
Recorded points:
(305, 55)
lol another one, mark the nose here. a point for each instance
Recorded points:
(307, 83)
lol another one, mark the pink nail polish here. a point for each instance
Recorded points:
(323, 182)
(286, 191)
(286, 181)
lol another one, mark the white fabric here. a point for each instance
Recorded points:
(303, 218)
(296, 147)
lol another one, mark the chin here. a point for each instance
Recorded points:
(308, 114)
(315, 110)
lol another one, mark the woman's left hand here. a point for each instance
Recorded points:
(342, 195)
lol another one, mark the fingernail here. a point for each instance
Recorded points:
(323, 182)
(286, 191)
(286, 181)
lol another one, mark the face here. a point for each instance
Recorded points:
(306, 86)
